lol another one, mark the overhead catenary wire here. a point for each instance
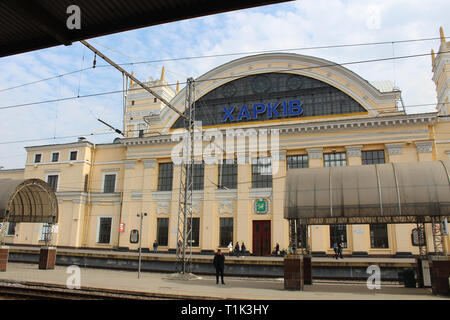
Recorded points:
(219, 78)
(223, 55)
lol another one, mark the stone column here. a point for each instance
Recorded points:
(280, 225)
(243, 215)
(319, 234)
(149, 184)
(128, 205)
(358, 233)
(208, 215)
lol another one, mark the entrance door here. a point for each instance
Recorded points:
(261, 238)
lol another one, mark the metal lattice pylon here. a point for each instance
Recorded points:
(184, 229)
(436, 227)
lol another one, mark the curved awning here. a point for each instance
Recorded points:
(30, 200)
(390, 192)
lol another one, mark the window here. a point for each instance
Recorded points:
(162, 231)
(165, 176)
(302, 235)
(373, 157)
(261, 173)
(379, 236)
(195, 232)
(73, 155)
(141, 133)
(294, 162)
(226, 232)
(198, 176)
(338, 233)
(109, 185)
(55, 156)
(46, 229)
(132, 102)
(155, 100)
(337, 159)
(11, 229)
(228, 175)
(37, 158)
(53, 182)
(104, 230)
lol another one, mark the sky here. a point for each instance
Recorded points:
(291, 25)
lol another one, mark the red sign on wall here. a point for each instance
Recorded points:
(122, 227)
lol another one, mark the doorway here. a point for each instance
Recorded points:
(261, 238)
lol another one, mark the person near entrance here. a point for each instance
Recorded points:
(335, 247)
(155, 247)
(236, 249)
(230, 248)
(219, 264)
(340, 246)
(243, 249)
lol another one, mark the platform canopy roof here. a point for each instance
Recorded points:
(27, 25)
(30, 200)
(383, 193)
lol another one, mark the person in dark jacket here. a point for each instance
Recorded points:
(243, 249)
(340, 247)
(219, 264)
(236, 249)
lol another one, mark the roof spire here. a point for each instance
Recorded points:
(441, 31)
(178, 86)
(433, 57)
(163, 71)
(131, 80)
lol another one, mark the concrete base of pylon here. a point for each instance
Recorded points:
(182, 276)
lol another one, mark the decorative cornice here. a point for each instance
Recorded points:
(129, 164)
(315, 153)
(149, 163)
(353, 151)
(394, 148)
(424, 146)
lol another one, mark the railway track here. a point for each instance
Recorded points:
(18, 290)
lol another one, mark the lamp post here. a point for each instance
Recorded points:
(142, 215)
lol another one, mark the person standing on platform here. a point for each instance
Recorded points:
(236, 249)
(277, 249)
(219, 264)
(336, 253)
(155, 247)
(243, 249)
(230, 248)
(340, 246)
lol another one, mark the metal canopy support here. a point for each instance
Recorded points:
(436, 225)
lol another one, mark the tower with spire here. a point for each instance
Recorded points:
(140, 103)
(441, 74)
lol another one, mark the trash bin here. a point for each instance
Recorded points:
(408, 278)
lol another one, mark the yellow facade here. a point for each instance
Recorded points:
(135, 161)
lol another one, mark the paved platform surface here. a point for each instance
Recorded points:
(205, 287)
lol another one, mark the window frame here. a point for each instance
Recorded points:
(158, 234)
(8, 225)
(225, 241)
(345, 241)
(290, 158)
(70, 155)
(40, 159)
(231, 180)
(374, 240)
(99, 227)
(54, 153)
(366, 161)
(104, 180)
(52, 174)
(162, 178)
(261, 181)
(335, 161)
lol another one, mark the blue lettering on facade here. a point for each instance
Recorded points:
(290, 108)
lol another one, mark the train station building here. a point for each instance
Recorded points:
(321, 114)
